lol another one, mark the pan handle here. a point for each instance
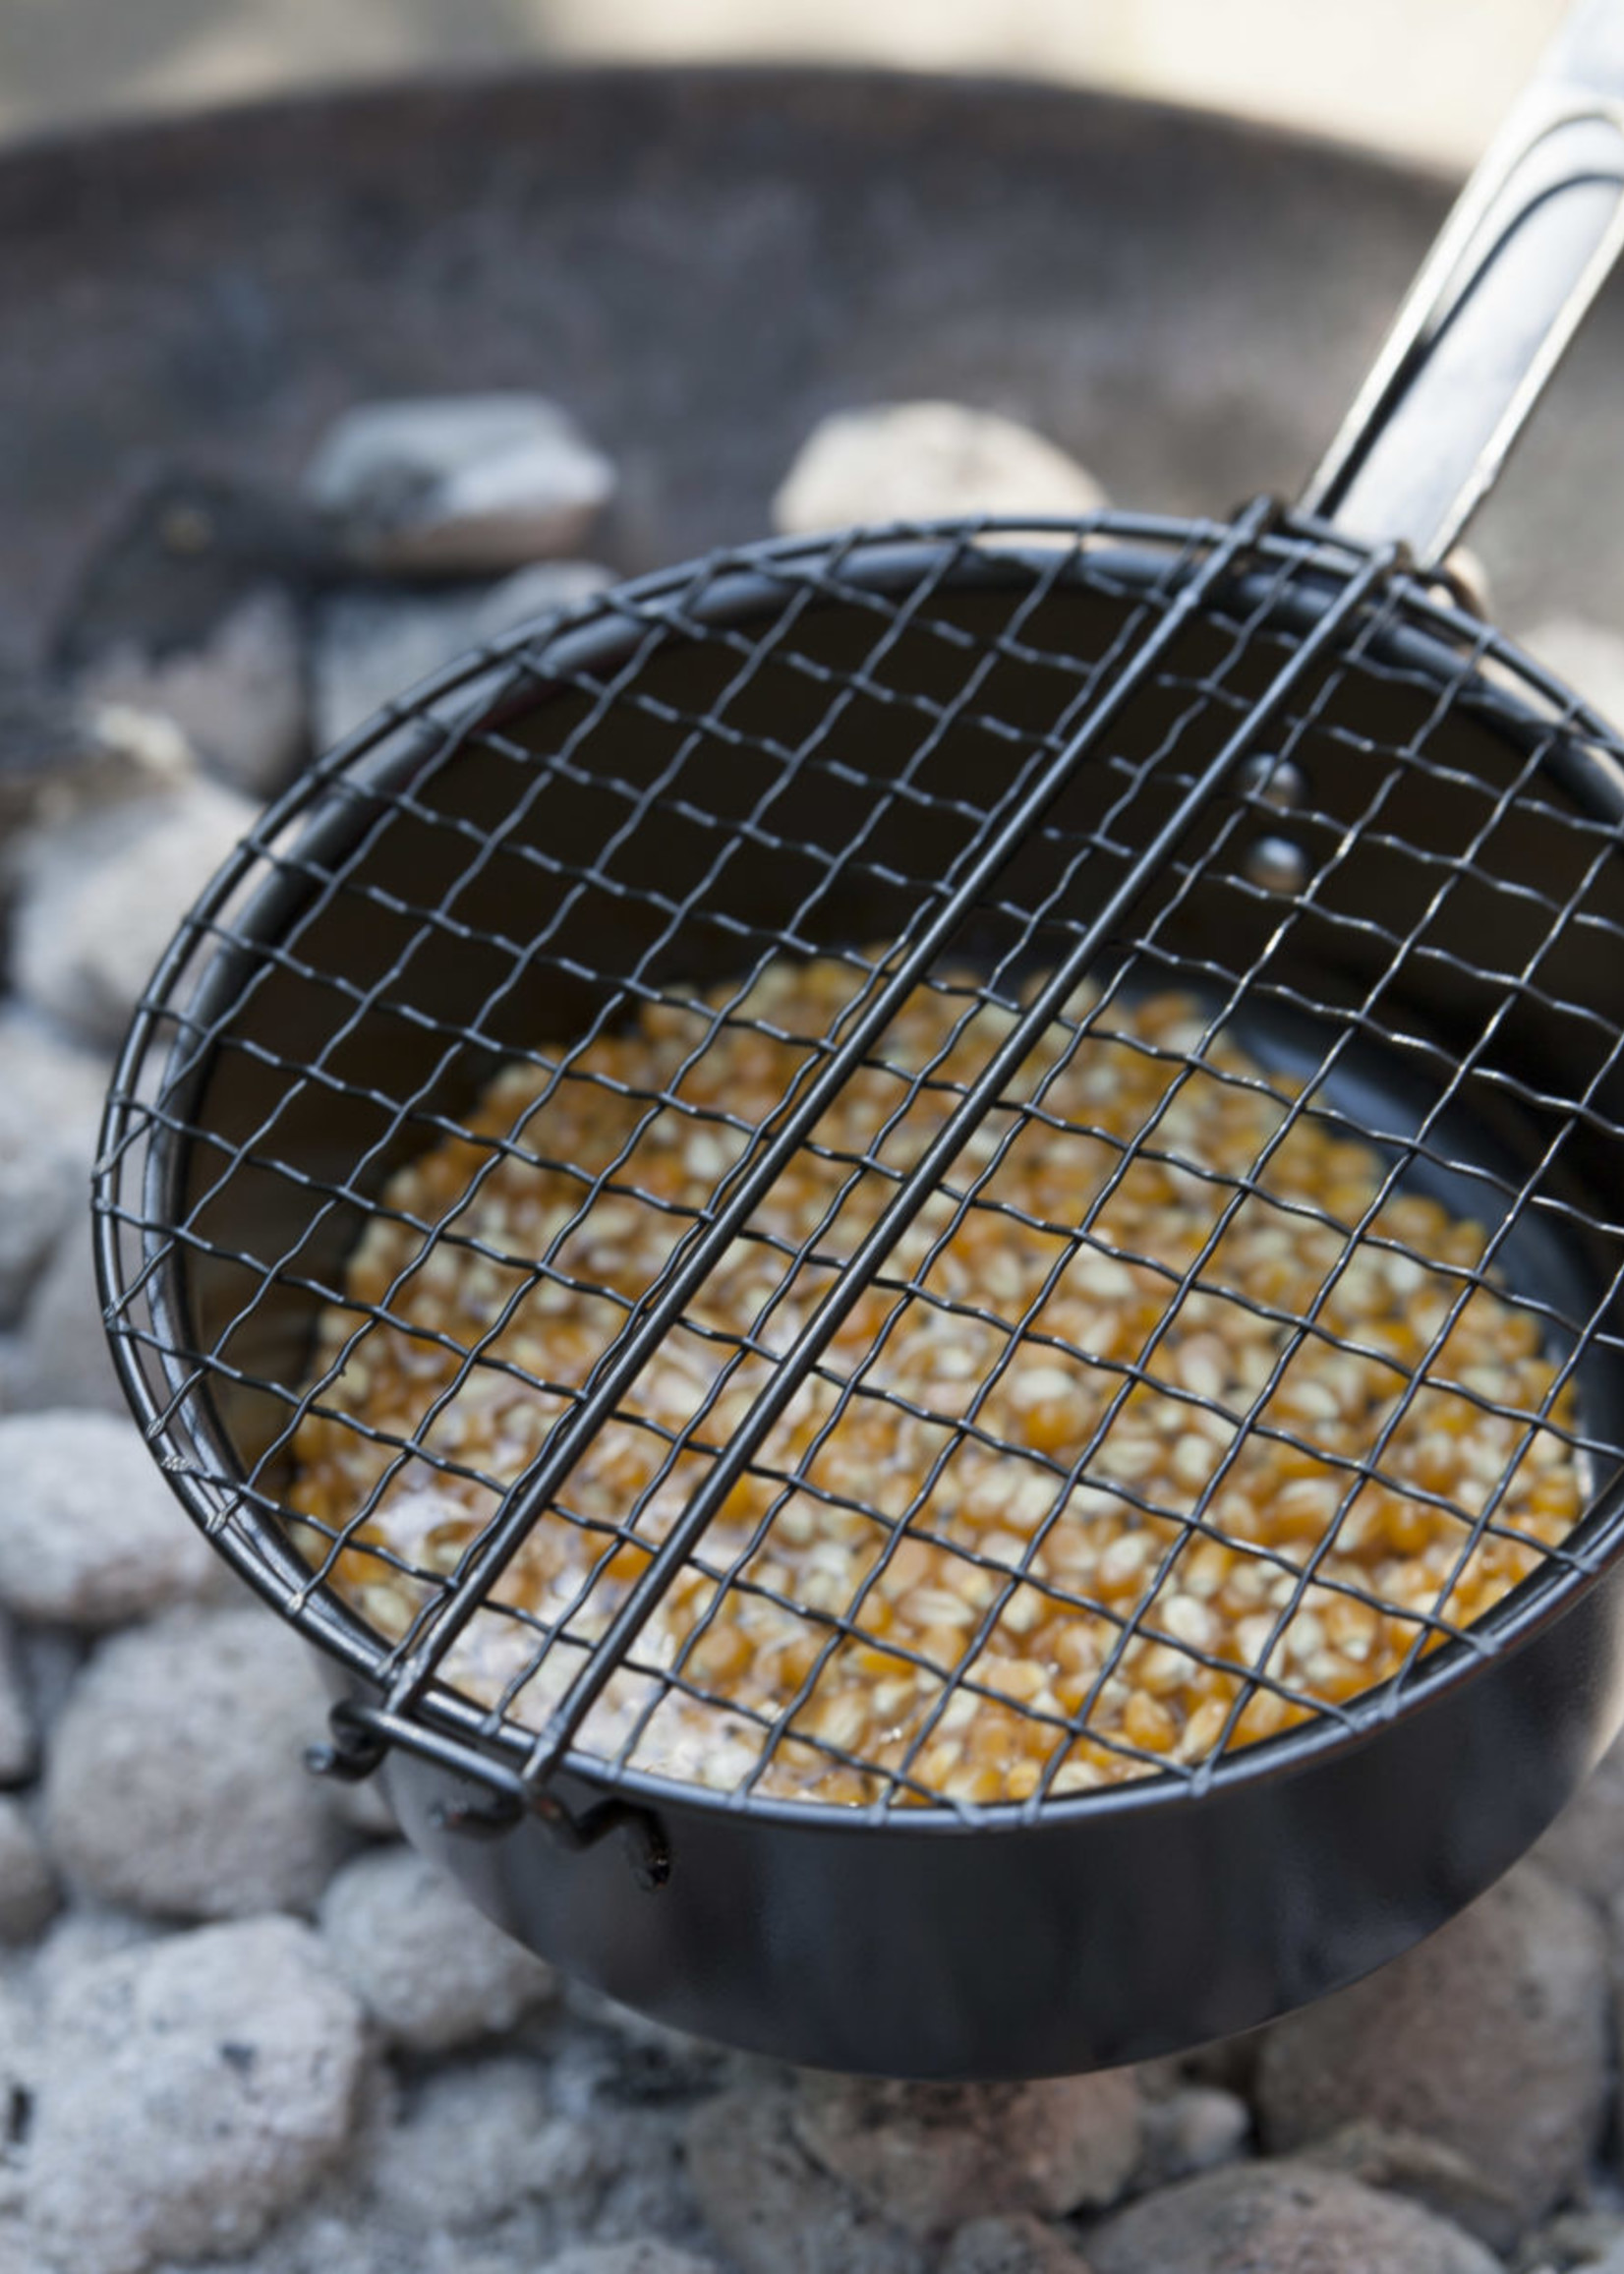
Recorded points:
(1525, 251)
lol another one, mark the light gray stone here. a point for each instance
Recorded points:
(429, 1968)
(1489, 2039)
(60, 1356)
(931, 2156)
(60, 756)
(1194, 2129)
(775, 2210)
(1590, 656)
(50, 1109)
(104, 894)
(1584, 1846)
(916, 461)
(239, 697)
(1280, 2218)
(19, 1738)
(476, 2143)
(1436, 2176)
(82, 1934)
(644, 2255)
(176, 1782)
(1020, 2245)
(373, 646)
(29, 1895)
(459, 483)
(192, 2091)
(1590, 2238)
(91, 1536)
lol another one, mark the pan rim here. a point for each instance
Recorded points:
(476, 689)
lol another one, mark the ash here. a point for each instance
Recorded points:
(242, 2026)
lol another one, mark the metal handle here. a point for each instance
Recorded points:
(1525, 251)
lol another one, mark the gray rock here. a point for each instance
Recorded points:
(1280, 2218)
(1194, 2129)
(916, 461)
(19, 1741)
(478, 2142)
(91, 1536)
(1436, 2176)
(373, 646)
(1584, 1846)
(175, 1782)
(1489, 2039)
(1018, 2246)
(29, 1895)
(192, 2091)
(458, 483)
(930, 2156)
(60, 1357)
(83, 1935)
(50, 1109)
(1589, 656)
(1592, 2240)
(60, 756)
(647, 2254)
(104, 894)
(429, 1968)
(49, 1661)
(238, 696)
(772, 2207)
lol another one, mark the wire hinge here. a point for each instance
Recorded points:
(363, 1736)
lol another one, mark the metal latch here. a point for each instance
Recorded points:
(363, 1736)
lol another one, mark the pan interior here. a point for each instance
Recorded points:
(1406, 899)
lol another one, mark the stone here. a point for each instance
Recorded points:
(1280, 2218)
(477, 2143)
(930, 2156)
(1589, 656)
(372, 646)
(1590, 2238)
(19, 1739)
(238, 695)
(458, 483)
(1489, 2039)
(104, 894)
(193, 2090)
(644, 2255)
(91, 1534)
(920, 461)
(1584, 1846)
(429, 1969)
(176, 1782)
(29, 1895)
(60, 1355)
(61, 755)
(1018, 2246)
(773, 2209)
(1194, 2129)
(186, 547)
(50, 1110)
(1436, 2176)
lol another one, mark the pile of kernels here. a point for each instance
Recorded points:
(833, 1607)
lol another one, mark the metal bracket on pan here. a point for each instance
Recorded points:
(364, 1735)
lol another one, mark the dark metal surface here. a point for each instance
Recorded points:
(703, 263)
(1121, 1929)
(1446, 965)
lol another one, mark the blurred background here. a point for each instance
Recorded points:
(1425, 80)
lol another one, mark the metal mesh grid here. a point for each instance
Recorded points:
(1017, 761)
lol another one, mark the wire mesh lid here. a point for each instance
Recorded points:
(925, 1173)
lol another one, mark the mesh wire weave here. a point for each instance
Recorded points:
(806, 751)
